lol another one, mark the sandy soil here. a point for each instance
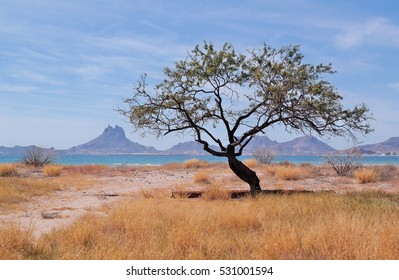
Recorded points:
(61, 208)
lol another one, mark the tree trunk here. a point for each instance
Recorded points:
(245, 174)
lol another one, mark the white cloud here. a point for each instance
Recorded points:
(376, 31)
(7, 89)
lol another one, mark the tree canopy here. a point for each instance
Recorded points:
(242, 95)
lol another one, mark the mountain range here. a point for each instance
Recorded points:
(113, 140)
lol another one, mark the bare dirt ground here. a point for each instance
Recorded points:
(43, 214)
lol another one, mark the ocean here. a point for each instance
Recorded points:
(115, 160)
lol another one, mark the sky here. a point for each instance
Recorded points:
(65, 66)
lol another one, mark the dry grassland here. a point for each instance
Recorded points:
(359, 220)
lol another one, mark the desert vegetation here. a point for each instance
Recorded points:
(8, 170)
(344, 217)
(19, 184)
(37, 156)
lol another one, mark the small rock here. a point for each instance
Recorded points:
(51, 214)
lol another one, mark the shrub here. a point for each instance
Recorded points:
(344, 163)
(195, 163)
(52, 171)
(8, 170)
(386, 172)
(263, 156)
(365, 175)
(36, 156)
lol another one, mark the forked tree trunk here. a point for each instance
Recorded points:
(245, 174)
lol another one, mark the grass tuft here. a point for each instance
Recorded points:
(285, 172)
(8, 170)
(365, 175)
(216, 192)
(52, 170)
(202, 176)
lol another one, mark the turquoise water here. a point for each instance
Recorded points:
(164, 159)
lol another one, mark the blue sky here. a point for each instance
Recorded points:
(66, 65)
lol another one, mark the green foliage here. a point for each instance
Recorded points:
(243, 94)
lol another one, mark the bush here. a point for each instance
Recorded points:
(365, 175)
(38, 157)
(386, 172)
(52, 171)
(8, 170)
(344, 163)
(263, 156)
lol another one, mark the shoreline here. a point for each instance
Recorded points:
(158, 160)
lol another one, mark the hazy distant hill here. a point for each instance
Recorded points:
(16, 150)
(112, 141)
(185, 148)
(305, 145)
(389, 146)
(262, 142)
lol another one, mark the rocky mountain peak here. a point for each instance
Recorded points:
(112, 141)
(116, 132)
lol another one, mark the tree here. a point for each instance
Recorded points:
(242, 95)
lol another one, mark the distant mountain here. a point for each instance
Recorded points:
(390, 146)
(111, 141)
(262, 142)
(187, 148)
(305, 145)
(16, 150)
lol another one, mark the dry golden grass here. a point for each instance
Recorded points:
(287, 173)
(202, 176)
(301, 226)
(216, 192)
(195, 163)
(362, 225)
(52, 170)
(365, 175)
(8, 170)
(250, 163)
(16, 190)
(18, 244)
(172, 166)
(91, 169)
(153, 193)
